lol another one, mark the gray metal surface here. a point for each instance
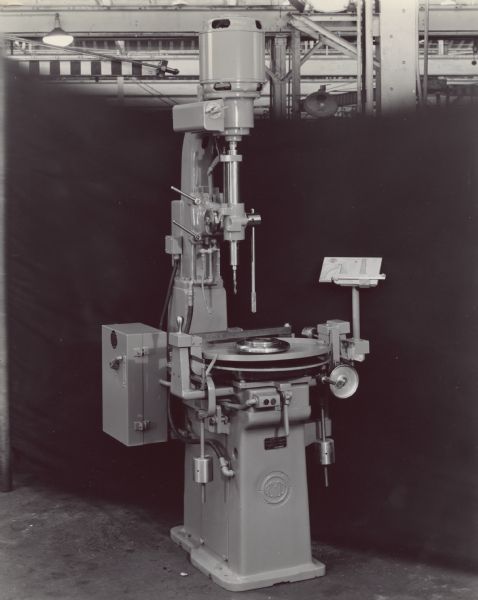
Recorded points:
(202, 469)
(134, 403)
(247, 524)
(199, 116)
(344, 381)
(151, 20)
(253, 531)
(351, 271)
(262, 345)
(326, 451)
(368, 56)
(233, 334)
(92, 20)
(246, 67)
(299, 348)
(295, 73)
(277, 74)
(398, 52)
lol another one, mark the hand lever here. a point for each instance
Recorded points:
(252, 220)
(253, 271)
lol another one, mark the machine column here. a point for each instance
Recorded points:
(295, 69)
(398, 55)
(279, 69)
(231, 196)
(5, 453)
(368, 57)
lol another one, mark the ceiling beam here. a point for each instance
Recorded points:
(145, 21)
(157, 20)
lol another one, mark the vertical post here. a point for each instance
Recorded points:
(355, 313)
(231, 198)
(253, 268)
(398, 56)
(278, 84)
(368, 58)
(295, 67)
(360, 55)
(120, 84)
(425, 54)
(5, 453)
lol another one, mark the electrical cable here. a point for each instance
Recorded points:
(189, 318)
(216, 446)
(167, 299)
(154, 93)
(76, 50)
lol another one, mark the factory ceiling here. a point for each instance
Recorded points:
(119, 45)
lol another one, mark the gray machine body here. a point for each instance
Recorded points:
(245, 66)
(134, 403)
(246, 510)
(253, 529)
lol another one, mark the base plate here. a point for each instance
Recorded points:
(218, 570)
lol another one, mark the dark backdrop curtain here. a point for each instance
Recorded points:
(88, 208)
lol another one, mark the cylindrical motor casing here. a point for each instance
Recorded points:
(202, 469)
(326, 451)
(231, 51)
(239, 113)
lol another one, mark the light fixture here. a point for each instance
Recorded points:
(298, 5)
(320, 104)
(58, 37)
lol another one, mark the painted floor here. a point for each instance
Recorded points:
(55, 544)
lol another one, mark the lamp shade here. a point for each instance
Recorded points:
(57, 36)
(320, 104)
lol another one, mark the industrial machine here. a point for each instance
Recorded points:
(240, 400)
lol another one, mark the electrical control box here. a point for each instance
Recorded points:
(134, 402)
(265, 398)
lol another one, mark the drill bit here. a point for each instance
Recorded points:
(234, 278)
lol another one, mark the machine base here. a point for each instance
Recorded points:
(210, 564)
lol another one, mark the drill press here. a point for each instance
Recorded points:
(244, 395)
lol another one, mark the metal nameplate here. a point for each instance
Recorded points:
(275, 442)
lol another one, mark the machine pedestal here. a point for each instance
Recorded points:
(217, 569)
(252, 530)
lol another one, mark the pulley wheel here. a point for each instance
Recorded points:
(343, 381)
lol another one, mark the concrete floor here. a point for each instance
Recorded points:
(54, 544)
